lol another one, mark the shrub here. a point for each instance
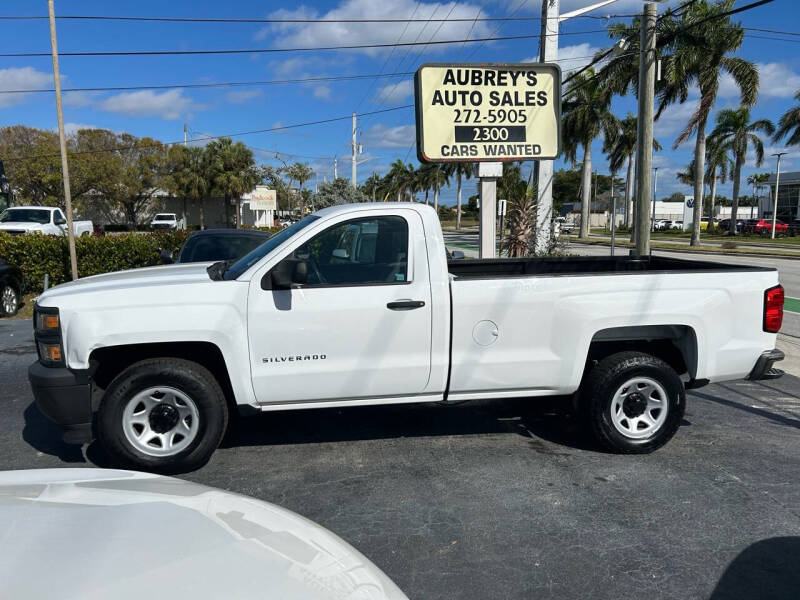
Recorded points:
(37, 255)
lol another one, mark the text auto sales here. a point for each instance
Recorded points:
(501, 128)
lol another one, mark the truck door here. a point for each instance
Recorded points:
(361, 325)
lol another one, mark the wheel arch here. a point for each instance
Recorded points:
(674, 344)
(109, 361)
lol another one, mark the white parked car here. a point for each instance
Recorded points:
(126, 535)
(676, 225)
(47, 220)
(561, 225)
(663, 224)
(167, 221)
(358, 305)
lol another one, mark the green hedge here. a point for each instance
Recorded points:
(36, 255)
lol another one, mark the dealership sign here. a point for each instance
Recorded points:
(487, 112)
(263, 198)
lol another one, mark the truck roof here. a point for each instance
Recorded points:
(343, 208)
(34, 207)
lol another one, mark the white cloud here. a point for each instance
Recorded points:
(288, 35)
(572, 58)
(79, 99)
(394, 92)
(70, 128)
(242, 96)
(169, 105)
(21, 78)
(674, 120)
(777, 80)
(384, 136)
(323, 92)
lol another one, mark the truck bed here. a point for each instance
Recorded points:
(583, 265)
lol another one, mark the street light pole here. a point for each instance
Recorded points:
(644, 154)
(548, 52)
(777, 189)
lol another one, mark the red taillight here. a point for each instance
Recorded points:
(773, 309)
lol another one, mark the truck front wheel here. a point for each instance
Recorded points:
(634, 402)
(162, 414)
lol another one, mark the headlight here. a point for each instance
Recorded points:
(47, 332)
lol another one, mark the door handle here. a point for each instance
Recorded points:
(405, 304)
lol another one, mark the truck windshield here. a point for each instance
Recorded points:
(164, 218)
(25, 215)
(248, 260)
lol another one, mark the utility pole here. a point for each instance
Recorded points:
(185, 131)
(613, 215)
(73, 260)
(655, 195)
(335, 168)
(777, 189)
(594, 204)
(373, 185)
(548, 52)
(354, 151)
(644, 154)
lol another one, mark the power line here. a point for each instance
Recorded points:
(222, 84)
(287, 21)
(215, 137)
(282, 50)
(769, 37)
(778, 31)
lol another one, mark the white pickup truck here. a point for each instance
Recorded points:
(47, 220)
(167, 221)
(358, 305)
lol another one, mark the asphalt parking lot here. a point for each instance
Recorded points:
(507, 499)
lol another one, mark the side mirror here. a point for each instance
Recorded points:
(340, 253)
(285, 275)
(458, 255)
(166, 257)
(59, 221)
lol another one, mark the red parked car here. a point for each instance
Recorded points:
(764, 226)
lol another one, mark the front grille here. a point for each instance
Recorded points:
(15, 231)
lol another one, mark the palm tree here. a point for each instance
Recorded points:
(462, 170)
(789, 125)
(299, 172)
(621, 149)
(371, 185)
(734, 133)
(188, 176)
(586, 114)
(232, 171)
(422, 179)
(719, 167)
(757, 180)
(401, 176)
(698, 47)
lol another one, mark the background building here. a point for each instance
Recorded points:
(788, 197)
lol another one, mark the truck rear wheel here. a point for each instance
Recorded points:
(162, 414)
(633, 402)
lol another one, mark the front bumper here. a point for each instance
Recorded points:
(65, 397)
(763, 368)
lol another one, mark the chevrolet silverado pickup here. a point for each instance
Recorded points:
(47, 220)
(358, 305)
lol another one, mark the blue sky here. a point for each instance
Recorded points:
(385, 137)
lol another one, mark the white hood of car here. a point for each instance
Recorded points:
(166, 275)
(98, 534)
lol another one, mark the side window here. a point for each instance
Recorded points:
(361, 251)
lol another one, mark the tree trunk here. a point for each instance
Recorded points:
(302, 202)
(737, 176)
(202, 214)
(699, 180)
(436, 199)
(399, 194)
(458, 205)
(426, 198)
(713, 196)
(586, 192)
(629, 193)
(238, 213)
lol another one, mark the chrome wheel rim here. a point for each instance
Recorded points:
(639, 408)
(160, 421)
(9, 300)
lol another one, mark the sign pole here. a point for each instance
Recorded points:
(777, 188)
(488, 172)
(73, 260)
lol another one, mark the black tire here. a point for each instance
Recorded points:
(188, 377)
(607, 377)
(5, 289)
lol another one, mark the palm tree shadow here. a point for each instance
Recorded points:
(766, 569)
